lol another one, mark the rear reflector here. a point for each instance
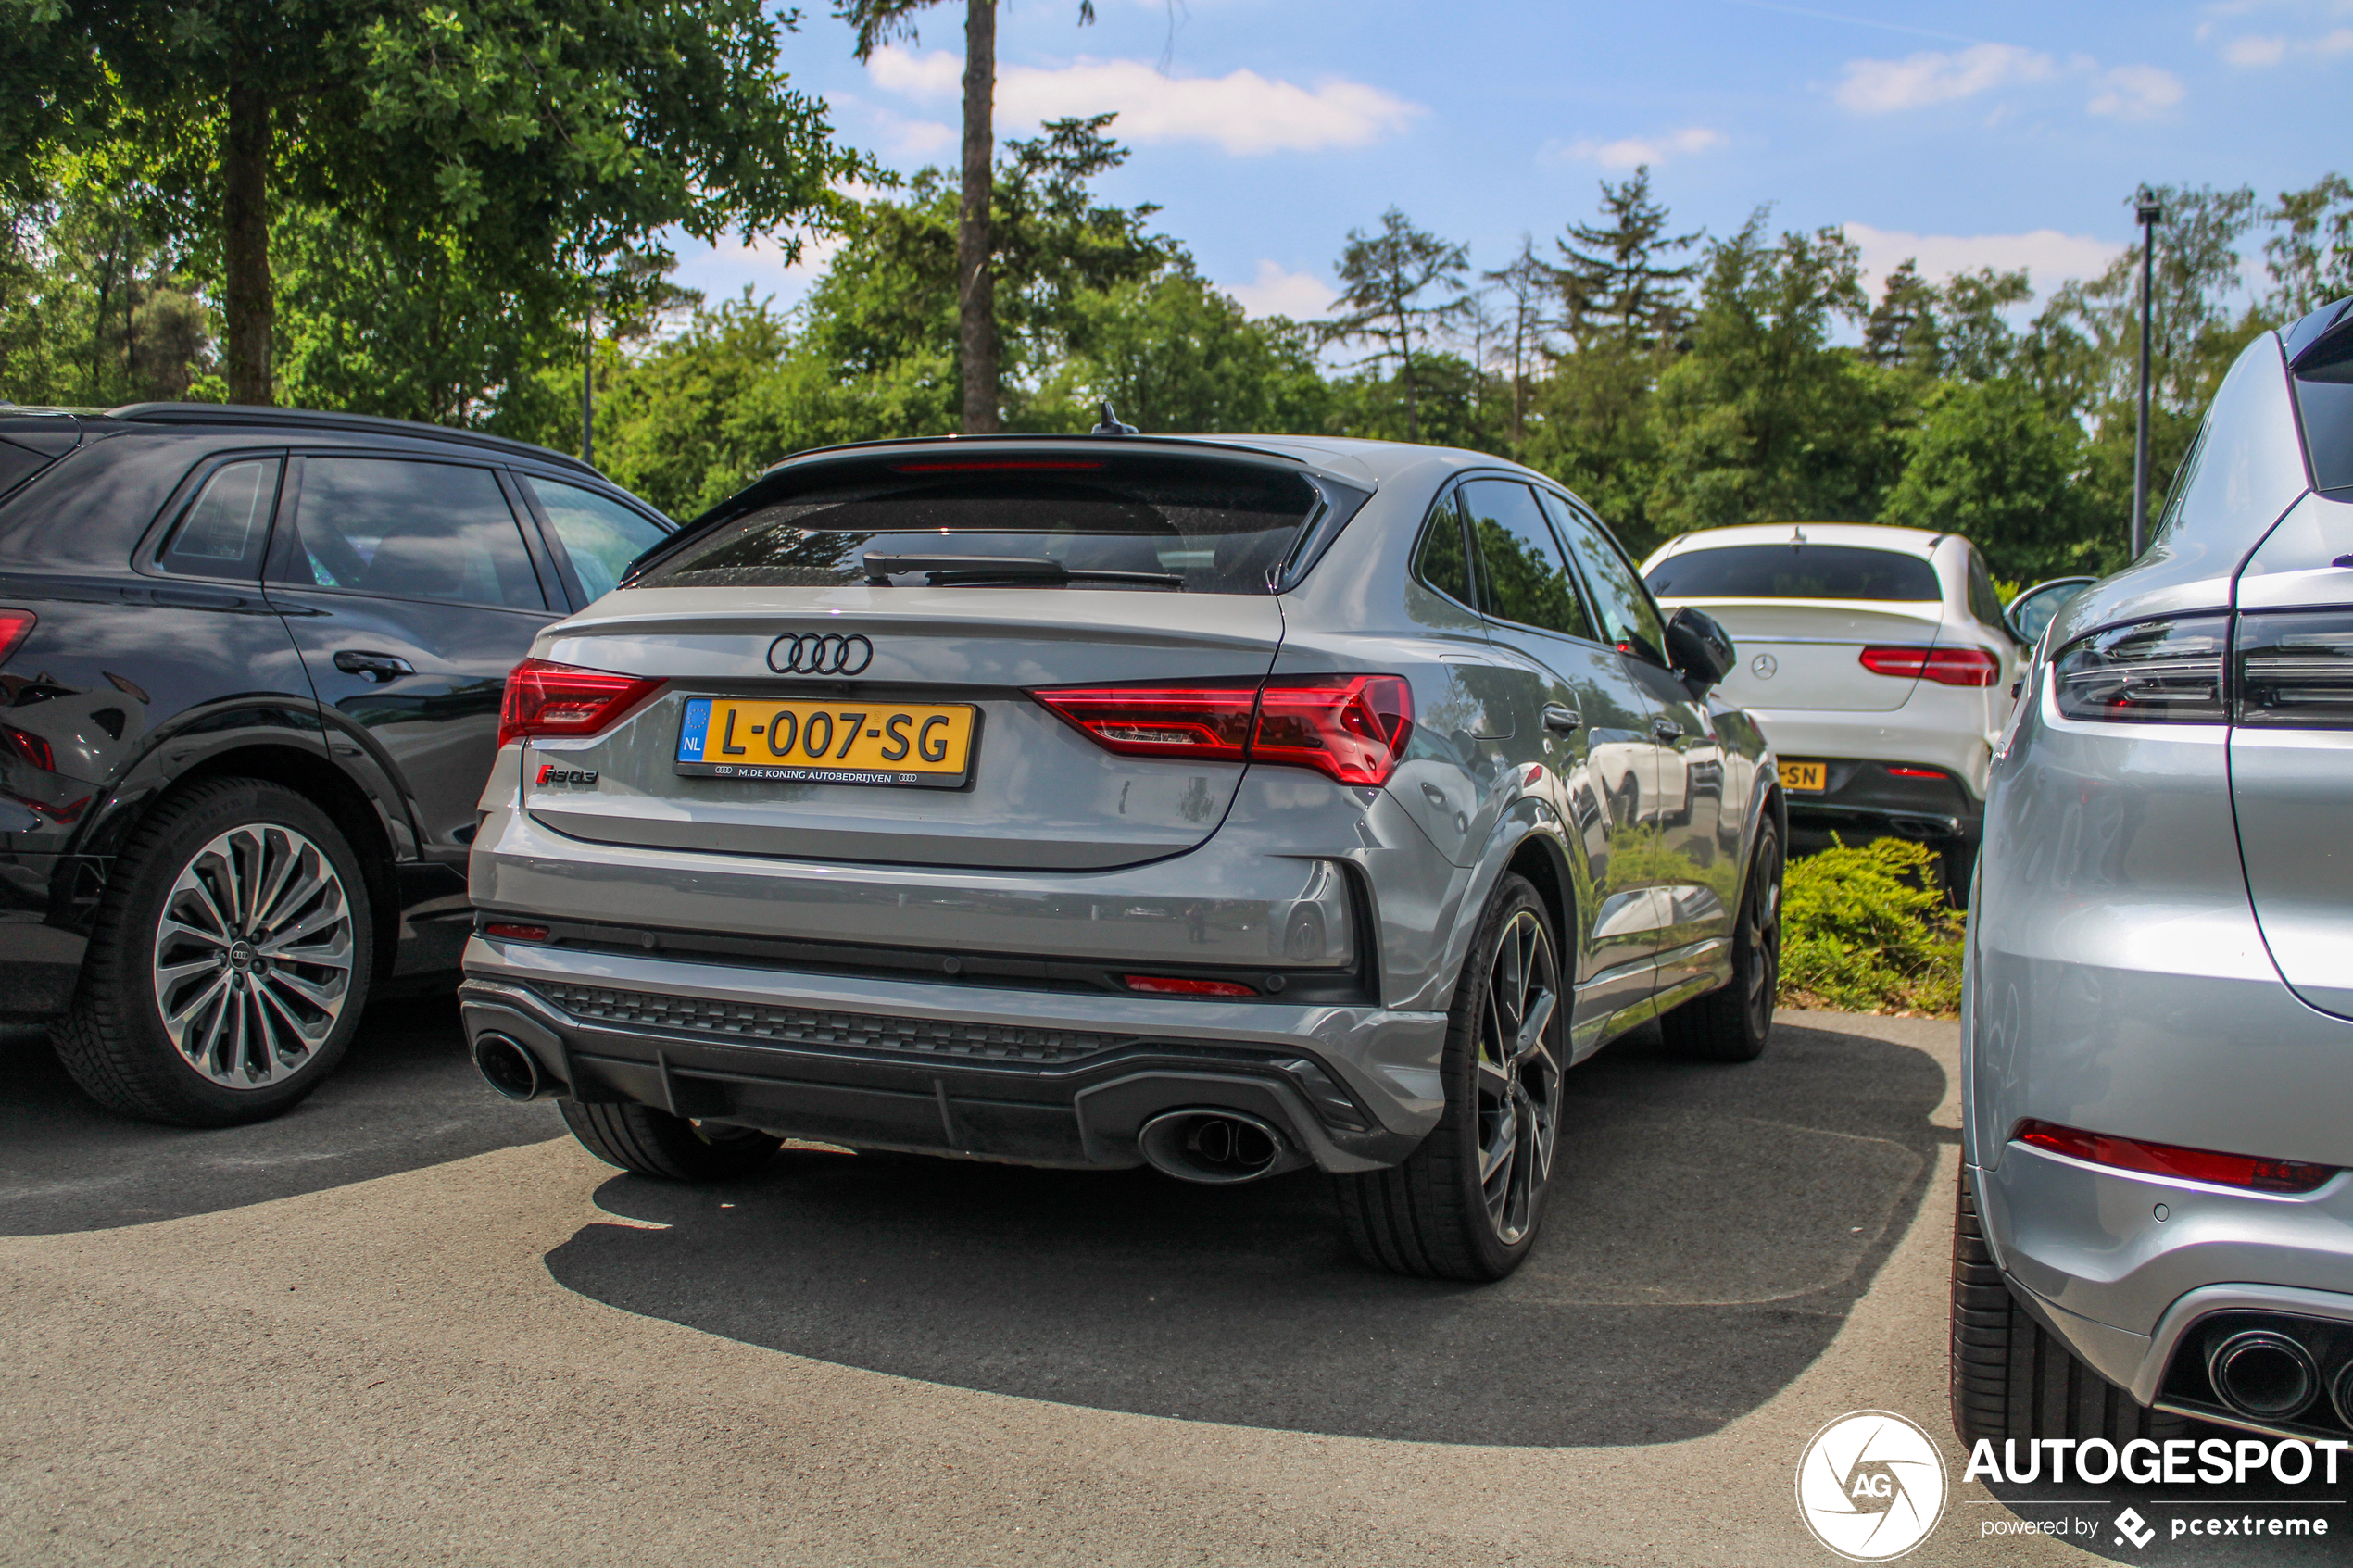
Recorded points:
(14, 624)
(513, 932)
(1916, 772)
(1179, 986)
(1946, 666)
(2165, 1159)
(1353, 728)
(556, 699)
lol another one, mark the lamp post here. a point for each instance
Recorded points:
(2150, 212)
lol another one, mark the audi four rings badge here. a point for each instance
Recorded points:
(814, 653)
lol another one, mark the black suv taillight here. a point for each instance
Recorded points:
(2163, 671)
(2295, 670)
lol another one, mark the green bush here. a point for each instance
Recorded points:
(1866, 929)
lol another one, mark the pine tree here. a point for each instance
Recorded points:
(1901, 330)
(1614, 285)
(1384, 279)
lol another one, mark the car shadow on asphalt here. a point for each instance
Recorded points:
(406, 1096)
(1711, 1228)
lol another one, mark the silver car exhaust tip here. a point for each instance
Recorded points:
(511, 1069)
(2261, 1375)
(1214, 1147)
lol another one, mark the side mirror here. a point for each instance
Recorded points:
(2039, 605)
(1698, 649)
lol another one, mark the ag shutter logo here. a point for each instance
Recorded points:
(1871, 1485)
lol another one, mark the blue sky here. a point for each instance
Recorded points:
(1999, 133)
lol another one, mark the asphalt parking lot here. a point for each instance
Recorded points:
(412, 1322)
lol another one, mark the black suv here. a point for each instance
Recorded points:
(251, 662)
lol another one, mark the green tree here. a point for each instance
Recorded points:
(1902, 329)
(1385, 281)
(1991, 460)
(1617, 289)
(877, 22)
(541, 134)
(1171, 353)
(1765, 419)
(1525, 283)
(2310, 254)
(1973, 328)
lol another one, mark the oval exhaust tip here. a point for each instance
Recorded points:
(2262, 1375)
(1215, 1148)
(507, 1067)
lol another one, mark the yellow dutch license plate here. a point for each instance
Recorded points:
(907, 744)
(1805, 775)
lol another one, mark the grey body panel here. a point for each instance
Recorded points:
(2119, 979)
(1061, 849)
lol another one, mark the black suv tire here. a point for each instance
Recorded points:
(1733, 1022)
(647, 1142)
(116, 1043)
(2014, 1378)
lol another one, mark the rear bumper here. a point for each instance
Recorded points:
(1948, 728)
(1046, 1078)
(1866, 796)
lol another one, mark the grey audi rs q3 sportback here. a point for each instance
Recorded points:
(1230, 806)
(2156, 1218)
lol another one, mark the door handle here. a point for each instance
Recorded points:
(1562, 720)
(1666, 729)
(377, 667)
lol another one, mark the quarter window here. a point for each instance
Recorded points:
(1439, 562)
(221, 533)
(1523, 575)
(410, 530)
(1984, 601)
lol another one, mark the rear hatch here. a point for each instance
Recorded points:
(848, 654)
(1804, 615)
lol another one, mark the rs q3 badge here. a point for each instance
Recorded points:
(819, 653)
(552, 775)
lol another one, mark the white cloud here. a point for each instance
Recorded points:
(1301, 295)
(2135, 92)
(2254, 51)
(912, 138)
(1922, 80)
(1242, 112)
(2337, 43)
(1930, 77)
(1632, 151)
(2048, 255)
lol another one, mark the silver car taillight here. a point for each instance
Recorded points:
(2295, 670)
(2165, 671)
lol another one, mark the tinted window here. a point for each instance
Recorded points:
(1984, 602)
(410, 530)
(221, 533)
(1628, 620)
(2325, 396)
(1439, 562)
(1156, 521)
(599, 535)
(1522, 575)
(17, 464)
(1794, 572)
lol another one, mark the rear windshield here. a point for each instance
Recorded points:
(1147, 522)
(1794, 571)
(2324, 398)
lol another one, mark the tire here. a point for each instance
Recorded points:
(2012, 1378)
(647, 1142)
(1434, 1216)
(220, 1017)
(1733, 1022)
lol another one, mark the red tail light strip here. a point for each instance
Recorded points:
(1180, 985)
(1946, 666)
(14, 624)
(544, 698)
(2166, 1160)
(1353, 729)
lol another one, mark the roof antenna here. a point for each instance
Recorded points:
(1110, 424)
(1797, 533)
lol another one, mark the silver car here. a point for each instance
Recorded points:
(2155, 1221)
(1230, 806)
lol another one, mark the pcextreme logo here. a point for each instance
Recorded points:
(1871, 1485)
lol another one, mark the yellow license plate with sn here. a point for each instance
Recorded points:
(1811, 776)
(908, 745)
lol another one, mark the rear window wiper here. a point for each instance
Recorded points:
(948, 571)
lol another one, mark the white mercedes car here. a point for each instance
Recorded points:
(1878, 661)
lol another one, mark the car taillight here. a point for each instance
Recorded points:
(2296, 671)
(1353, 728)
(544, 698)
(2166, 1160)
(29, 747)
(1946, 666)
(2153, 672)
(14, 624)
